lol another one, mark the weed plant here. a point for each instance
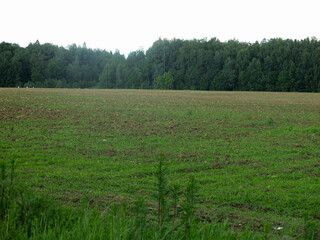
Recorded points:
(25, 215)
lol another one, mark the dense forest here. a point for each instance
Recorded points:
(273, 65)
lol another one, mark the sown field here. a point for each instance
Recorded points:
(255, 156)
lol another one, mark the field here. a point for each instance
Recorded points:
(255, 156)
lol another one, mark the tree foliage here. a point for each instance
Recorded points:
(273, 65)
(165, 81)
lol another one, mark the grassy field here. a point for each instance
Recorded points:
(255, 156)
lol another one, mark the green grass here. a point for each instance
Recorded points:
(24, 215)
(255, 156)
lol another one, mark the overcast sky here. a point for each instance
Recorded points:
(129, 25)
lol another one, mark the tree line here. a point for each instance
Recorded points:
(273, 65)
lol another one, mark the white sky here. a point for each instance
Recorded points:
(128, 25)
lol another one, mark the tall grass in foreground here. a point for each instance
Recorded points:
(27, 216)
